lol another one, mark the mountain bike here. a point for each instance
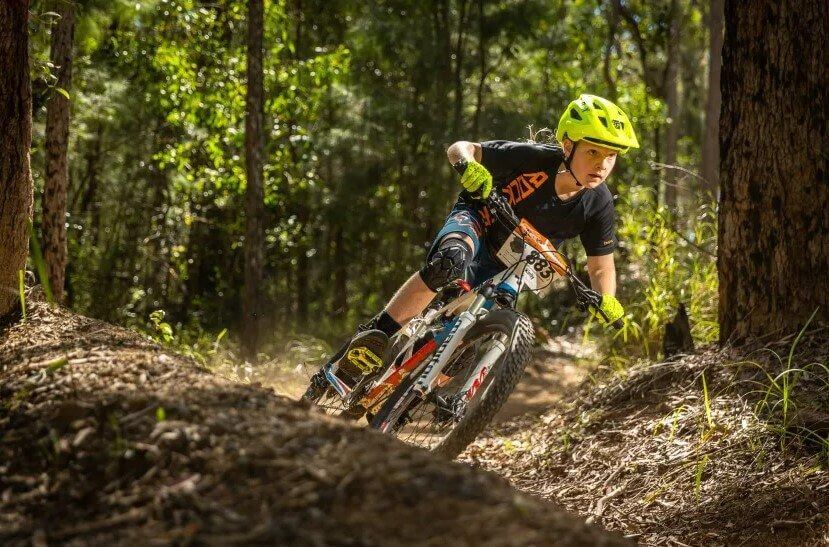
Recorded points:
(449, 370)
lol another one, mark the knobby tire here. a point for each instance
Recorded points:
(506, 374)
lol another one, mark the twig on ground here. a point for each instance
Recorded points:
(600, 505)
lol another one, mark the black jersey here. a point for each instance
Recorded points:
(525, 173)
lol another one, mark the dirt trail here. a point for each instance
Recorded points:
(106, 438)
(547, 384)
(642, 455)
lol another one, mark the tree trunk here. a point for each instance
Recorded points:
(57, 140)
(711, 142)
(16, 131)
(340, 304)
(612, 17)
(254, 193)
(479, 96)
(303, 266)
(672, 101)
(460, 49)
(773, 224)
(90, 207)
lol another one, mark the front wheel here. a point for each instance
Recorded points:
(439, 421)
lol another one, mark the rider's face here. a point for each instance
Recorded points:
(592, 163)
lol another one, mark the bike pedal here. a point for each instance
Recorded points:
(362, 357)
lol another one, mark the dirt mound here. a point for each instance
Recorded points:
(695, 451)
(107, 438)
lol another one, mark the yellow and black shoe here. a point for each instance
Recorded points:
(363, 356)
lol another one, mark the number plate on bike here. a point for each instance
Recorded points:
(519, 245)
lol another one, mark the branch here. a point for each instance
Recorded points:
(600, 505)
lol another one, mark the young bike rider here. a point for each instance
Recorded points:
(559, 189)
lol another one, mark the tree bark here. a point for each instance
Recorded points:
(773, 224)
(254, 193)
(16, 131)
(57, 140)
(672, 101)
(711, 142)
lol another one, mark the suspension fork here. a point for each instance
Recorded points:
(482, 370)
(464, 322)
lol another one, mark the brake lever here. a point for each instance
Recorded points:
(588, 298)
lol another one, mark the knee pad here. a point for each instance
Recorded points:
(447, 263)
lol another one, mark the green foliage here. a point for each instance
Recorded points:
(163, 331)
(699, 469)
(781, 399)
(666, 263)
(36, 256)
(361, 100)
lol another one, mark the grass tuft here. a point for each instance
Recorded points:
(22, 289)
(40, 264)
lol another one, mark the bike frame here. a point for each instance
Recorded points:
(535, 260)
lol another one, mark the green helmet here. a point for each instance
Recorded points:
(599, 121)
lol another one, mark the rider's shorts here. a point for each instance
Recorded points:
(468, 221)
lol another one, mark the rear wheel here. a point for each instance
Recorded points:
(441, 421)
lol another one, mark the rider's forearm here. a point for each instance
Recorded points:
(602, 270)
(464, 150)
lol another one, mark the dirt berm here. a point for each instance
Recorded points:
(107, 438)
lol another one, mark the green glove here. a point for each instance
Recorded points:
(476, 178)
(611, 308)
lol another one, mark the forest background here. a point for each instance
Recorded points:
(361, 100)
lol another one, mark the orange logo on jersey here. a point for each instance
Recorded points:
(519, 189)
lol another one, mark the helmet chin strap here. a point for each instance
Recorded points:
(567, 160)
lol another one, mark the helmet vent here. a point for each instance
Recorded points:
(603, 120)
(575, 114)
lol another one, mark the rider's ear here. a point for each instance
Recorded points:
(567, 145)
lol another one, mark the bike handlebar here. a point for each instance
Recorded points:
(585, 297)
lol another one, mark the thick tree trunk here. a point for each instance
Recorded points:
(774, 220)
(672, 101)
(57, 141)
(16, 131)
(254, 194)
(711, 140)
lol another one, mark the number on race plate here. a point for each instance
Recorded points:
(520, 244)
